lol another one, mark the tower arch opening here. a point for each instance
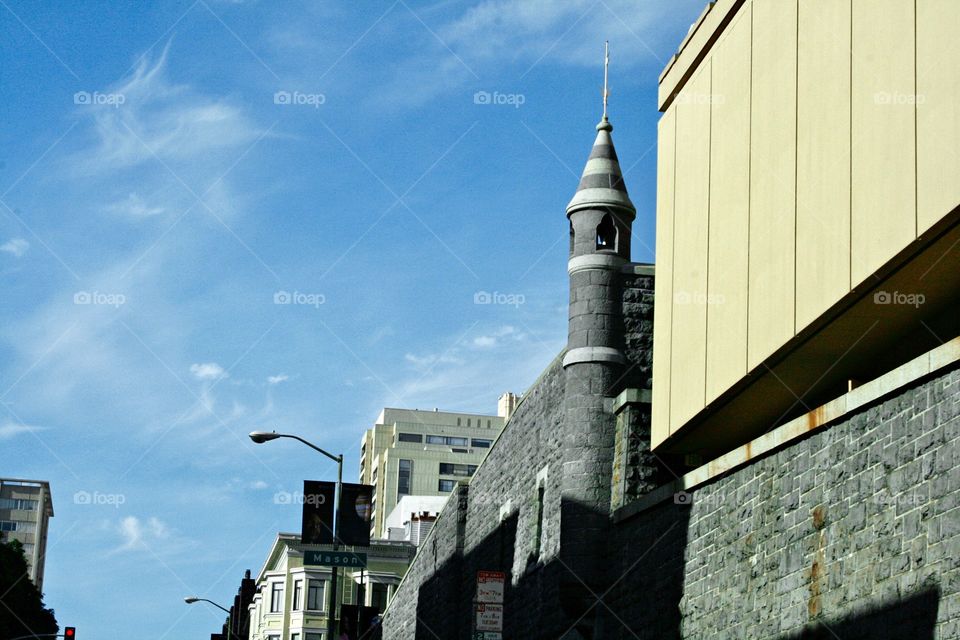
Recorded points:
(607, 234)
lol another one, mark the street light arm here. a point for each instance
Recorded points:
(337, 459)
(224, 609)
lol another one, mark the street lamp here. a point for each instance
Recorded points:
(266, 436)
(192, 599)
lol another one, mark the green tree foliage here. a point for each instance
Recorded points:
(21, 605)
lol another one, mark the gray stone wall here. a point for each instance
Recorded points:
(497, 527)
(854, 518)
(850, 533)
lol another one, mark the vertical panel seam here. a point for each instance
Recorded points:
(850, 161)
(706, 305)
(673, 263)
(796, 155)
(916, 138)
(746, 355)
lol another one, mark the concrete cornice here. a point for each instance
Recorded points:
(595, 261)
(593, 354)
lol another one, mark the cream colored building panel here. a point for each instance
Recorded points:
(691, 219)
(772, 178)
(883, 179)
(729, 209)
(662, 313)
(704, 32)
(823, 157)
(938, 110)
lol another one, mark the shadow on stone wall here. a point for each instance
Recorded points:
(913, 617)
(640, 597)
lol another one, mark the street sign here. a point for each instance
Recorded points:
(489, 617)
(490, 586)
(487, 635)
(335, 558)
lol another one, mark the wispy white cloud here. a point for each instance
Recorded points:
(207, 371)
(138, 534)
(10, 430)
(277, 379)
(16, 247)
(133, 206)
(160, 120)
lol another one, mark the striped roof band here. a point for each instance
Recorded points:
(601, 184)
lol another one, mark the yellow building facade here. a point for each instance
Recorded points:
(807, 164)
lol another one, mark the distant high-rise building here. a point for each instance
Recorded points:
(409, 452)
(25, 508)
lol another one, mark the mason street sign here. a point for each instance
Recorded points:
(335, 558)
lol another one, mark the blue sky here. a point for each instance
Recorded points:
(170, 171)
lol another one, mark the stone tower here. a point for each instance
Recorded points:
(601, 216)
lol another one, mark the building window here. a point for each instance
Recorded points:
(276, 597)
(451, 441)
(315, 596)
(606, 234)
(294, 636)
(458, 422)
(468, 422)
(404, 477)
(459, 450)
(449, 469)
(538, 532)
(21, 504)
(297, 594)
(273, 637)
(446, 485)
(409, 437)
(314, 636)
(488, 424)
(6, 525)
(481, 443)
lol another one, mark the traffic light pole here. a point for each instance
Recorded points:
(334, 573)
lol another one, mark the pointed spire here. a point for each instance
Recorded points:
(601, 184)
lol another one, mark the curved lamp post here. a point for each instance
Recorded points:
(266, 436)
(192, 599)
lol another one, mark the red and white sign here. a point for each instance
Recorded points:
(490, 617)
(490, 587)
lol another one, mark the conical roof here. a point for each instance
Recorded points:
(601, 185)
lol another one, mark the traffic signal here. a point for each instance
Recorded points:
(70, 633)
